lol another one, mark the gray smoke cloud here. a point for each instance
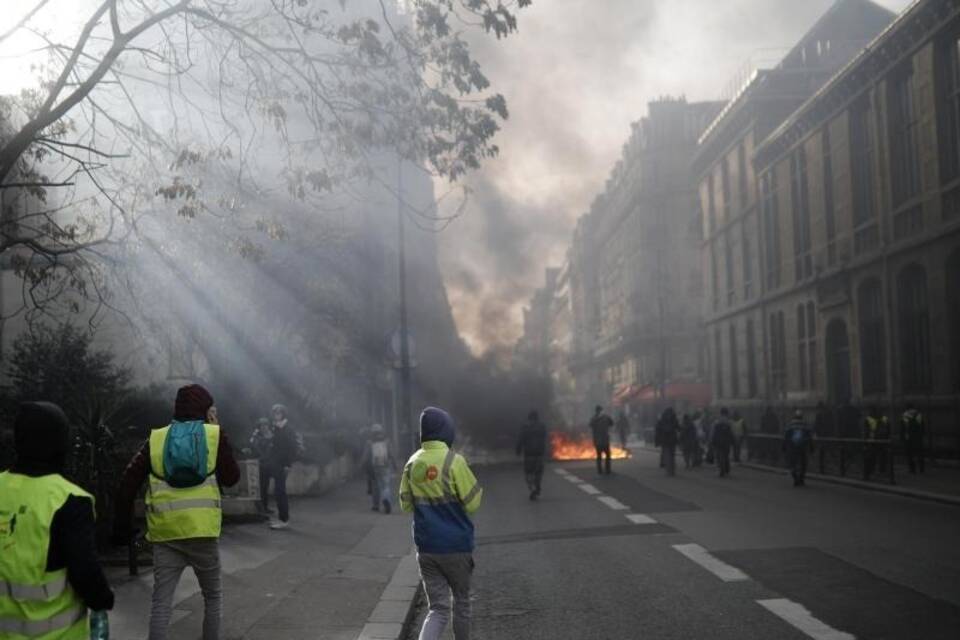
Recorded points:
(575, 77)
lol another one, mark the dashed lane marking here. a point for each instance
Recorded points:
(589, 488)
(639, 518)
(613, 503)
(715, 566)
(798, 616)
(562, 472)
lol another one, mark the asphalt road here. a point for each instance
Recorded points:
(640, 555)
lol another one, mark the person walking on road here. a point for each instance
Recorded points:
(667, 432)
(282, 456)
(600, 426)
(797, 445)
(721, 440)
(623, 428)
(912, 432)
(378, 458)
(532, 444)
(184, 465)
(689, 442)
(876, 431)
(438, 486)
(49, 569)
(739, 434)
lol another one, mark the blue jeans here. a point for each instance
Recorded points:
(382, 486)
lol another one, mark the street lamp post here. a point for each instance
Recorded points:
(404, 421)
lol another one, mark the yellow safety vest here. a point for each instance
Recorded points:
(435, 475)
(35, 604)
(178, 514)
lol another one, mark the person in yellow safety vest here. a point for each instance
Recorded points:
(438, 486)
(739, 434)
(876, 430)
(183, 523)
(49, 572)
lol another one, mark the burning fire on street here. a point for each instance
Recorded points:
(568, 446)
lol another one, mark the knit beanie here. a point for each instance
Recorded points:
(193, 402)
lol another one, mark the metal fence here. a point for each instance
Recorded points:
(832, 456)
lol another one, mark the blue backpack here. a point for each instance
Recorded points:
(185, 454)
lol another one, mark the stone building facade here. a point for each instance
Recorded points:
(833, 266)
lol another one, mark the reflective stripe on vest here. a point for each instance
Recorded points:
(37, 628)
(177, 504)
(47, 591)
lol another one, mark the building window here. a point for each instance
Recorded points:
(728, 260)
(742, 175)
(862, 150)
(714, 276)
(751, 360)
(771, 225)
(829, 209)
(953, 314)
(948, 114)
(778, 353)
(873, 362)
(725, 185)
(914, 329)
(807, 345)
(718, 362)
(800, 203)
(904, 124)
(734, 363)
(711, 204)
(747, 259)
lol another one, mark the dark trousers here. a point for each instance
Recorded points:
(602, 448)
(915, 456)
(668, 460)
(722, 454)
(279, 490)
(737, 446)
(797, 457)
(533, 472)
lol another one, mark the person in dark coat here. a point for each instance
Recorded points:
(623, 428)
(532, 445)
(721, 440)
(668, 430)
(260, 446)
(282, 456)
(689, 441)
(600, 425)
(797, 445)
(912, 432)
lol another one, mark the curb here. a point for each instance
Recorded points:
(868, 486)
(393, 614)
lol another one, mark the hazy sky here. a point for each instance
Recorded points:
(575, 77)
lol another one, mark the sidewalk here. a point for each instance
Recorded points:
(341, 572)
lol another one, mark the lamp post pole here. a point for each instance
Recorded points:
(404, 424)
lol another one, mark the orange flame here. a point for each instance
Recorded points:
(567, 446)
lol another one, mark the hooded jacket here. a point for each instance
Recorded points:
(438, 486)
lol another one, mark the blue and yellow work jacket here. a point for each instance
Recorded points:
(440, 489)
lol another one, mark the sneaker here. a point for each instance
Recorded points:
(279, 524)
(386, 507)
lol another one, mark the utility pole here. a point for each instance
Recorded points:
(404, 422)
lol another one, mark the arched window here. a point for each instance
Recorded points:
(953, 313)
(914, 328)
(873, 355)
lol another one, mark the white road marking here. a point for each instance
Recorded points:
(575, 480)
(589, 488)
(798, 616)
(714, 565)
(562, 472)
(639, 518)
(613, 503)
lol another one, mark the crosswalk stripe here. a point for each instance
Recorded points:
(799, 617)
(714, 565)
(639, 518)
(613, 503)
